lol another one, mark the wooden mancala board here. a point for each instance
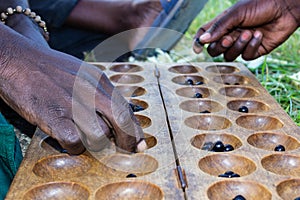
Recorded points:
(212, 131)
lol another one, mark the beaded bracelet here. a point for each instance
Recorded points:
(10, 11)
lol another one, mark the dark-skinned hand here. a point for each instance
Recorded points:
(70, 100)
(250, 28)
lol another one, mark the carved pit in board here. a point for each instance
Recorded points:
(219, 163)
(57, 190)
(131, 91)
(126, 68)
(259, 122)
(138, 164)
(99, 66)
(268, 141)
(201, 105)
(222, 69)
(62, 166)
(231, 79)
(191, 91)
(126, 78)
(238, 91)
(282, 164)
(144, 121)
(252, 105)
(207, 122)
(133, 190)
(227, 190)
(184, 69)
(182, 80)
(199, 140)
(151, 141)
(289, 189)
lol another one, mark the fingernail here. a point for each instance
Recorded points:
(245, 36)
(257, 34)
(226, 43)
(205, 37)
(142, 146)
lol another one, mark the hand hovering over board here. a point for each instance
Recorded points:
(70, 100)
(250, 28)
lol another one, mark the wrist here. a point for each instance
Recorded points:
(26, 23)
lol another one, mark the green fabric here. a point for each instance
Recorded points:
(10, 155)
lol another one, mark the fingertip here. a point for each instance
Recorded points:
(142, 146)
(197, 46)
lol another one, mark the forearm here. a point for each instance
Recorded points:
(22, 23)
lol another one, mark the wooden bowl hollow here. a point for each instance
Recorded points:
(58, 190)
(282, 164)
(289, 189)
(231, 79)
(227, 190)
(199, 140)
(217, 164)
(62, 166)
(184, 69)
(100, 66)
(259, 122)
(222, 69)
(201, 105)
(252, 105)
(207, 122)
(126, 68)
(144, 121)
(138, 164)
(151, 141)
(191, 91)
(268, 141)
(139, 102)
(131, 91)
(181, 80)
(129, 190)
(238, 91)
(126, 78)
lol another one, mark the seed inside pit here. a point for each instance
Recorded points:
(189, 82)
(218, 147)
(131, 176)
(198, 95)
(239, 197)
(207, 146)
(279, 148)
(136, 108)
(228, 147)
(205, 111)
(199, 83)
(243, 109)
(229, 174)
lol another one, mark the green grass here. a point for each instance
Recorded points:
(275, 72)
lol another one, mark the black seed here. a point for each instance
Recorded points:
(236, 84)
(229, 173)
(207, 146)
(136, 108)
(239, 197)
(279, 148)
(198, 95)
(205, 111)
(226, 83)
(243, 109)
(297, 198)
(131, 176)
(234, 175)
(189, 82)
(198, 43)
(228, 147)
(218, 147)
(199, 83)
(223, 176)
